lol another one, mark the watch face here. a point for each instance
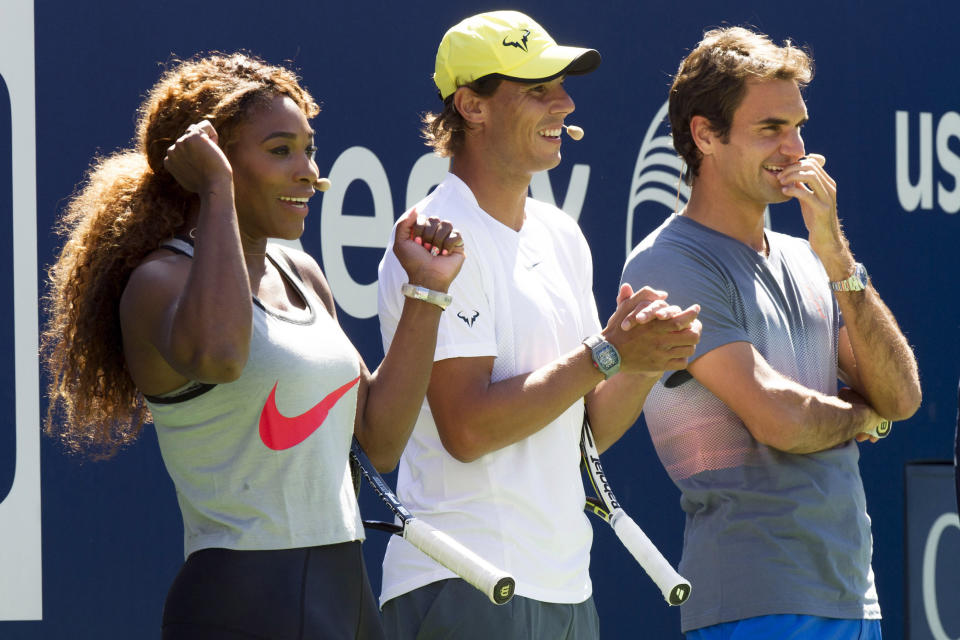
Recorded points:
(861, 273)
(607, 357)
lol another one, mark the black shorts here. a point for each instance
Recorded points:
(287, 594)
(453, 610)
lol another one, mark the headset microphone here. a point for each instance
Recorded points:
(322, 184)
(574, 131)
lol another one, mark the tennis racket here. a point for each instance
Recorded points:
(674, 587)
(882, 430)
(496, 584)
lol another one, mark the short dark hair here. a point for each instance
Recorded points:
(711, 82)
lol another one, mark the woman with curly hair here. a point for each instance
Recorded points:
(167, 304)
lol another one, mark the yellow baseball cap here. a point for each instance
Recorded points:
(508, 44)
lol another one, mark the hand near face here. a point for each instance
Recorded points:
(430, 250)
(808, 182)
(651, 334)
(196, 160)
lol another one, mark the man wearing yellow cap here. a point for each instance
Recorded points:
(521, 355)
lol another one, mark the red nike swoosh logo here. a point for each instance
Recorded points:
(279, 432)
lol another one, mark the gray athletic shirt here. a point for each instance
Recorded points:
(767, 532)
(261, 462)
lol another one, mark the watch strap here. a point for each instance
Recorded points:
(856, 282)
(605, 356)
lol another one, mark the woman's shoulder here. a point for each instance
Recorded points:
(161, 264)
(160, 274)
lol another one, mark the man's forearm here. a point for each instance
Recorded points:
(816, 422)
(881, 365)
(778, 411)
(475, 416)
(886, 369)
(615, 404)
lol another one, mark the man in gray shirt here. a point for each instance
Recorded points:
(755, 432)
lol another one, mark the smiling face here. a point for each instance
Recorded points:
(274, 172)
(524, 124)
(764, 137)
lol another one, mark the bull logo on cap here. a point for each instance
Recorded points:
(522, 44)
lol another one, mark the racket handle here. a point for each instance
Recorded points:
(674, 587)
(498, 585)
(882, 430)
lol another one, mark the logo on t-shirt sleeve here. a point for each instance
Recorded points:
(469, 319)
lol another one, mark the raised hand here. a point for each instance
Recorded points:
(196, 160)
(652, 335)
(812, 186)
(430, 250)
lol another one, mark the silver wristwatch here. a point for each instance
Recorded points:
(606, 358)
(857, 282)
(438, 298)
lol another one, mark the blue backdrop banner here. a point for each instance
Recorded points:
(93, 553)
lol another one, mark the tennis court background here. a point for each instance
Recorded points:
(885, 120)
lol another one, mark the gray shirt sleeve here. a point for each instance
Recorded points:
(689, 276)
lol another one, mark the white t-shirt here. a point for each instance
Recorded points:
(526, 298)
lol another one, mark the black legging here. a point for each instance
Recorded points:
(288, 594)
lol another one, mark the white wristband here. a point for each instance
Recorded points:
(442, 300)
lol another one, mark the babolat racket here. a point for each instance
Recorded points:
(674, 587)
(498, 585)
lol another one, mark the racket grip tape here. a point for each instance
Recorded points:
(881, 430)
(496, 584)
(674, 587)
